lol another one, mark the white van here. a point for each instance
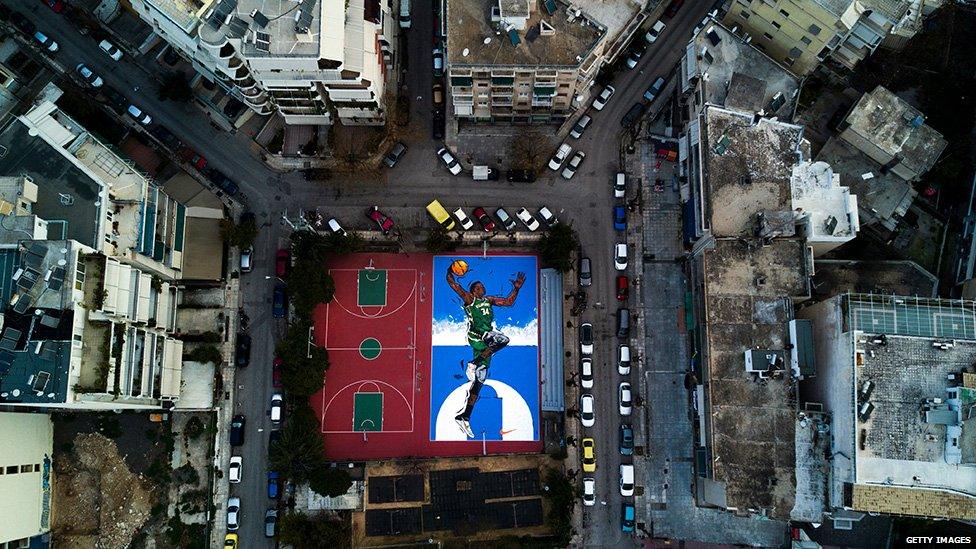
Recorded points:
(404, 14)
(484, 173)
(626, 480)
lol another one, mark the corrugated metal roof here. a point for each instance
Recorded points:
(551, 316)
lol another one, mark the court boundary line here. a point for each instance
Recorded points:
(413, 291)
(360, 381)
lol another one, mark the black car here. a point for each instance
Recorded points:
(237, 430)
(225, 183)
(272, 438)
(119, 101)
(165, 136)
(22, 23)
(633, 115)
(242, 355)
(520, 176)
(438, 128)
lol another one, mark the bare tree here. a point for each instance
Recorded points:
(528, 150)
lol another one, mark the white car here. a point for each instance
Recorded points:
(138, 114)
(561, 153)
(449, 160)
(586, 373)
(626, 480)
(623, 360)
(580, 126)
(634, 57)
(574, 163)
(604, 97)
(110, 49)
(586, 410)
(463, 219)
(620, 186)
(276, 408)
(530, 221)
(589, 491)
(655, 31)
(45, 42)
(548, 217)
(88, 76)
(335, 227)
(625, 399)
(620, 257)
(233, 514)
(586, 339)
(234, 471)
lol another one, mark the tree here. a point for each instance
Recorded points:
(298, 451)
(240, 235)
(528, 150)
(175, 87)
(304, 364)
(438, 240)
(557, 246)
(329, 481)
(316, 247)
(561, 495)
(310, 285)
(314, 531)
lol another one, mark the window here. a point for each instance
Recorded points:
(760, 47)
(814, 30)
(37, 467)
(795, 52)
(767, 36)
(784, 13)
(744, 14)
(26, 468)
(777, 25)
(805, 40)
(80, 273)
(11, 469)
(789, 61)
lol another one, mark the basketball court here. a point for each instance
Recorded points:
(376, 399)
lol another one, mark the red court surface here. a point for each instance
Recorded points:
(394, 380)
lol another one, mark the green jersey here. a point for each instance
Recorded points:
(481, 318)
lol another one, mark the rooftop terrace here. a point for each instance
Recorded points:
(563, 38)
(184, 13)
(279, 28)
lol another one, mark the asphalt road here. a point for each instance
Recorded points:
(586, 201)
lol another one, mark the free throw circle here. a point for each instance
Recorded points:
(370, 348)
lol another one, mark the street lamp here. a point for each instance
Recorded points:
(266, 277)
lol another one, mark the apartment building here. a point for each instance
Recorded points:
(803, 33)
(25, 478)
(895, 375)
(309, 60)
(520, 61)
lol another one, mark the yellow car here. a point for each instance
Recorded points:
(589, 455)
(230, 541)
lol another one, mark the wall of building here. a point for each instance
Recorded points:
(24, 500)
(793, 19)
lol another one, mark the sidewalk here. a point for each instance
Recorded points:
(224, 405)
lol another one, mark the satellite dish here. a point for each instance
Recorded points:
(487, 40)
(464, 53)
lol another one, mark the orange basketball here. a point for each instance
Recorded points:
(459, 267)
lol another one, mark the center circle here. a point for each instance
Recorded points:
(370, 348)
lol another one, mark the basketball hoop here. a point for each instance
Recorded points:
(370, 266)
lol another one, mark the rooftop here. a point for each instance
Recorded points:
(831, 208)
(748, 165)
(835, 276)
(835, 7)
(881, 197)
(739, 76)
(184, 13)
(562, 39)
(277, 28)
(897, 128)
(753, 421)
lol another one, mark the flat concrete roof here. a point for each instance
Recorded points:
(276, 22)
(837, 276)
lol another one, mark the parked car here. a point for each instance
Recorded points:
(580, 126)
(623, 360)
(603, 98)
(589, 491)
(623, 323)
(336, 228)
(482, 216)
(530, 221)
(620, 186)
(276, 404)
(119, 101)
(589, 455)
(242, 355)
(463, 219)
(626, 440)
(449, 160)
(626, 480)
(619, 218)
(437, 95)
(437, 125)
(438, 62)
(548, 217)
(586, 339)
(89, 76)
(237, 430)
(620, 257)
(139, 116)
(440, 215)
(233, 513)
(673, 7)
(586, 372)
(22, 23)
(273, 437)
(652, 92)
(271, 523)
(574, 163)
(484, 173)
(585, 272)
(159, 132)
(623, 287)
(192, 157)
(625, 399)
(633, 115)
(274, 481)
(560, 156)
(505, 219)
(627, 518)
(587, 410)
(57, 6)
(247, 255)
(234, 470)
(655, 31)
(230, 540)
(45, 42)
(282, 262)
(110, 49)
(634, 56)
(276, 365)
(395, 154)
(520, 176)
(222, 182)
(383, 222)
(279, 301)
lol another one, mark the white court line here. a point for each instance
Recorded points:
(360, 382)
(357, 349)
(413, 291)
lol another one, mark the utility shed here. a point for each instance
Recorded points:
(551, 344)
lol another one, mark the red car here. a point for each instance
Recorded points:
(276, 372)
(623, 287)
(57, 6)
(482, 216)
(191, 156)
(282, 262)
(384, 222)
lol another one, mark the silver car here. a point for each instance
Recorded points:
(233, 514)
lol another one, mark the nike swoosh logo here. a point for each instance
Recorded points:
(504, 432)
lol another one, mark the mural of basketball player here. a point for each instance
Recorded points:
(484, 340)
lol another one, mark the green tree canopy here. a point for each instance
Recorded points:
(310, 285)
(175, 87)
(298, 451)
(557, 246)
(561, 495)
(439, 240)
(240, 235)
(329, 481)
(314, 531)
(304, 365)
